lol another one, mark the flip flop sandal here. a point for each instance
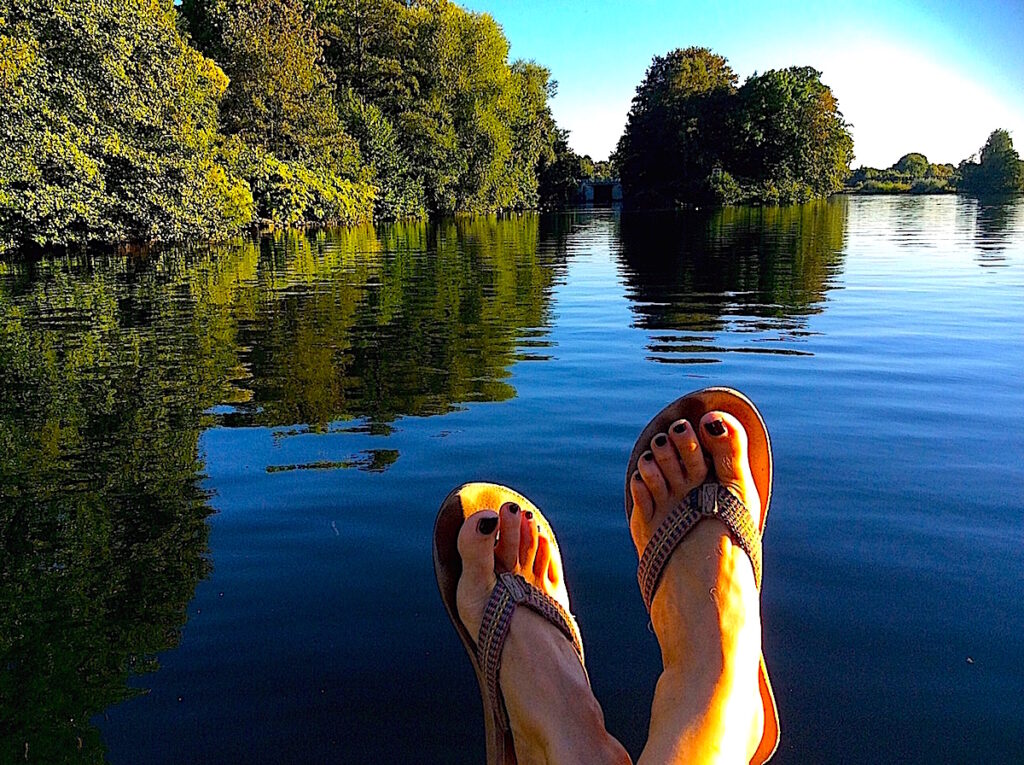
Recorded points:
(713, 500)
(510, 592)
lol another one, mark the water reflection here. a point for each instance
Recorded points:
(994, 226)
(422, 319)
(110, 370)
(752, 273)
(102, 523)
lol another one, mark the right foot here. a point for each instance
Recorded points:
(706, 610)
(552, 711)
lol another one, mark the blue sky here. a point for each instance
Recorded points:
(929, 76)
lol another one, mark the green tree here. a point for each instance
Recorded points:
(692, 138)
(793, 144)
(674, 135)
(291, 145)
(399, 192)
(371, 49)
(561, 171)
(475, 130)
(1000, 170)
(108, 130)
(915, 165)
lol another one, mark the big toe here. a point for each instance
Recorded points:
(476, 547)
(725, 440)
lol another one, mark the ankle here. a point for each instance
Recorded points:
(552, 709)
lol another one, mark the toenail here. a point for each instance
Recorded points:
(487, 525)
(660, 440)
(529, 515)
(715, 428)
(679, 427)
(647, 457)
(513, 508)
(636, 475)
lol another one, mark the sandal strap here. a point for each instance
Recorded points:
(510, 592)
(711, 500)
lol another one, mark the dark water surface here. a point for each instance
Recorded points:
(219, 471)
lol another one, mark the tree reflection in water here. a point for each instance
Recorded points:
(758, 271)
(111, 368)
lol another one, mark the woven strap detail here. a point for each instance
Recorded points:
(512, 591)
(712, 500)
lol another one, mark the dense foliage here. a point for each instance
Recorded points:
(694, 137)
(913, 173)
(108, 129)
(999, 171)
(137, 120)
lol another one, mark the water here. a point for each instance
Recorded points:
(220, 468)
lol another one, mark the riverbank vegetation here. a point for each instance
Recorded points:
(693, 137)
(996, 170)
(144, 120)
(156, 120)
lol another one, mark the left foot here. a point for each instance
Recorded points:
(552, 710)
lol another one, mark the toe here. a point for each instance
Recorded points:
(726, 441)
(506, 551)
(684, 438)
(476, 545)
(653, 478)
(643, 502)
(527, 541)
(543, 558)
(554, 571)
(671, 467)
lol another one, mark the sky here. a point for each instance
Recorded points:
(932, 76)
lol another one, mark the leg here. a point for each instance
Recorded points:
(706, 611)
(553, 713)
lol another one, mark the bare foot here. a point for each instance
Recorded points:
(552, 711)
(706, 610)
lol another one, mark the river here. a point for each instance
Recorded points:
(220, 466)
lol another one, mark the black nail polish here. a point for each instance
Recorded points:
(647, 457)
(529, 515)
(636, 475)
(679, 427)
(513, 508)
(660, 440)
(715, 428)
(487, 525)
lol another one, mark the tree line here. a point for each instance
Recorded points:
(695, 137)
(996, 169)
(142, 120)
(139, 120)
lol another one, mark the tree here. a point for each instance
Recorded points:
(1000, 170)
(674, 136)
(370, 46)
(561, 171)
(793, 144)
(108, 130)
(693, 138)
(915, 165)
(399, 191)
(279, 106)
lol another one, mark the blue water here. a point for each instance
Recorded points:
(882, 339)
